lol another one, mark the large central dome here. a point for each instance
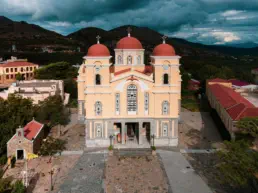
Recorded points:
(129, 43)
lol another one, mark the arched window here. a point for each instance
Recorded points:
(165, 79)
(146, 102)
(98, 130)
(165, 108)
(98, 79)
(117, 103)
(138, 59)
(129, 60)
(98, 108)
(131, 98)
(120, 61)
(165, 130)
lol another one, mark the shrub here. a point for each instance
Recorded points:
(5, 184)
(110, 148)
(13, 161)
(3, 160)
(153, 148)
(1, 172)
(18, 187)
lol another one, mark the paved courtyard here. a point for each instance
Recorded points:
(198, 131)
(182, 177)
(87, 175)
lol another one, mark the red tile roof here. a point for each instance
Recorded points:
(217, 80)
(17, 64)
(237, 106)
(32, 129)
(148, 70)
(122, 71)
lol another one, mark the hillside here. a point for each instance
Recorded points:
(150, 38)
(28, 37)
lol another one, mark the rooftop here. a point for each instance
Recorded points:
(236, 105)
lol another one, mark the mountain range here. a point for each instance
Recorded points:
(30, 37)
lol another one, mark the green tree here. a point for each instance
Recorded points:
(70, 86)
(14, 112)
(52, 111)
(248, 126)
(19, 77)
(56, 71)
(238, 164)
(52, 146)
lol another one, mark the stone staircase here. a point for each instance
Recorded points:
(132, 152)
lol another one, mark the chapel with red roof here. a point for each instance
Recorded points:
(128, 100)
(27, 139)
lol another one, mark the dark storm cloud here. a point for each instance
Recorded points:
(207, 21)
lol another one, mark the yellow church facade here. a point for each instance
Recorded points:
(128, 100)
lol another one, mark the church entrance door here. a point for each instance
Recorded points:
(132, 132)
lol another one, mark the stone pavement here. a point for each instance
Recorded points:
(182, 177)
(87, 174)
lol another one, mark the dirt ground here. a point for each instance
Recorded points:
(198, 131)
(39, 176)
(135, 175)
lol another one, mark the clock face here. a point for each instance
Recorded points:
(97, 69)
(165, 67)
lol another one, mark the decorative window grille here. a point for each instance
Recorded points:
(132, 98)
(165, 79)
(117, 103)
(98, 79)
(98, 130)
(120, 61)
(129, 60)
(98, 108)
(165, 108)
(146, 102)
(165, 130)
(138, 59)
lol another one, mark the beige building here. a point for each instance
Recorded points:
(26, 140)
(10, 68)
(37, 90)
(128, 99)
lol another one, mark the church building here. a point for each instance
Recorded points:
(129, 100)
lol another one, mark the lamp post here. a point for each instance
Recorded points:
(111, 139)
(153, 137)
(51, 178)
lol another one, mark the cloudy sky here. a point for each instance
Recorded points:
(204, 21)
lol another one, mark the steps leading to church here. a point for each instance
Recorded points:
(131, 152)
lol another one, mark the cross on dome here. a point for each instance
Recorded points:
(164, 39)
(129, 31)
(98, 38)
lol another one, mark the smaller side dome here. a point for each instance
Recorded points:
(98, 50)
(164, 50)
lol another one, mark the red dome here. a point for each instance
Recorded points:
(164, 50)
(98, 50)
(129, 43)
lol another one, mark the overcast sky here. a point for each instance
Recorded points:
(204, 21)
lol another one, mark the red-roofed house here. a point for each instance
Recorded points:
(230, 105)
(26, 140)
(193, 84)
(10, 68)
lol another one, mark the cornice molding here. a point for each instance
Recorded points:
(96, 57)
(166, 57)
